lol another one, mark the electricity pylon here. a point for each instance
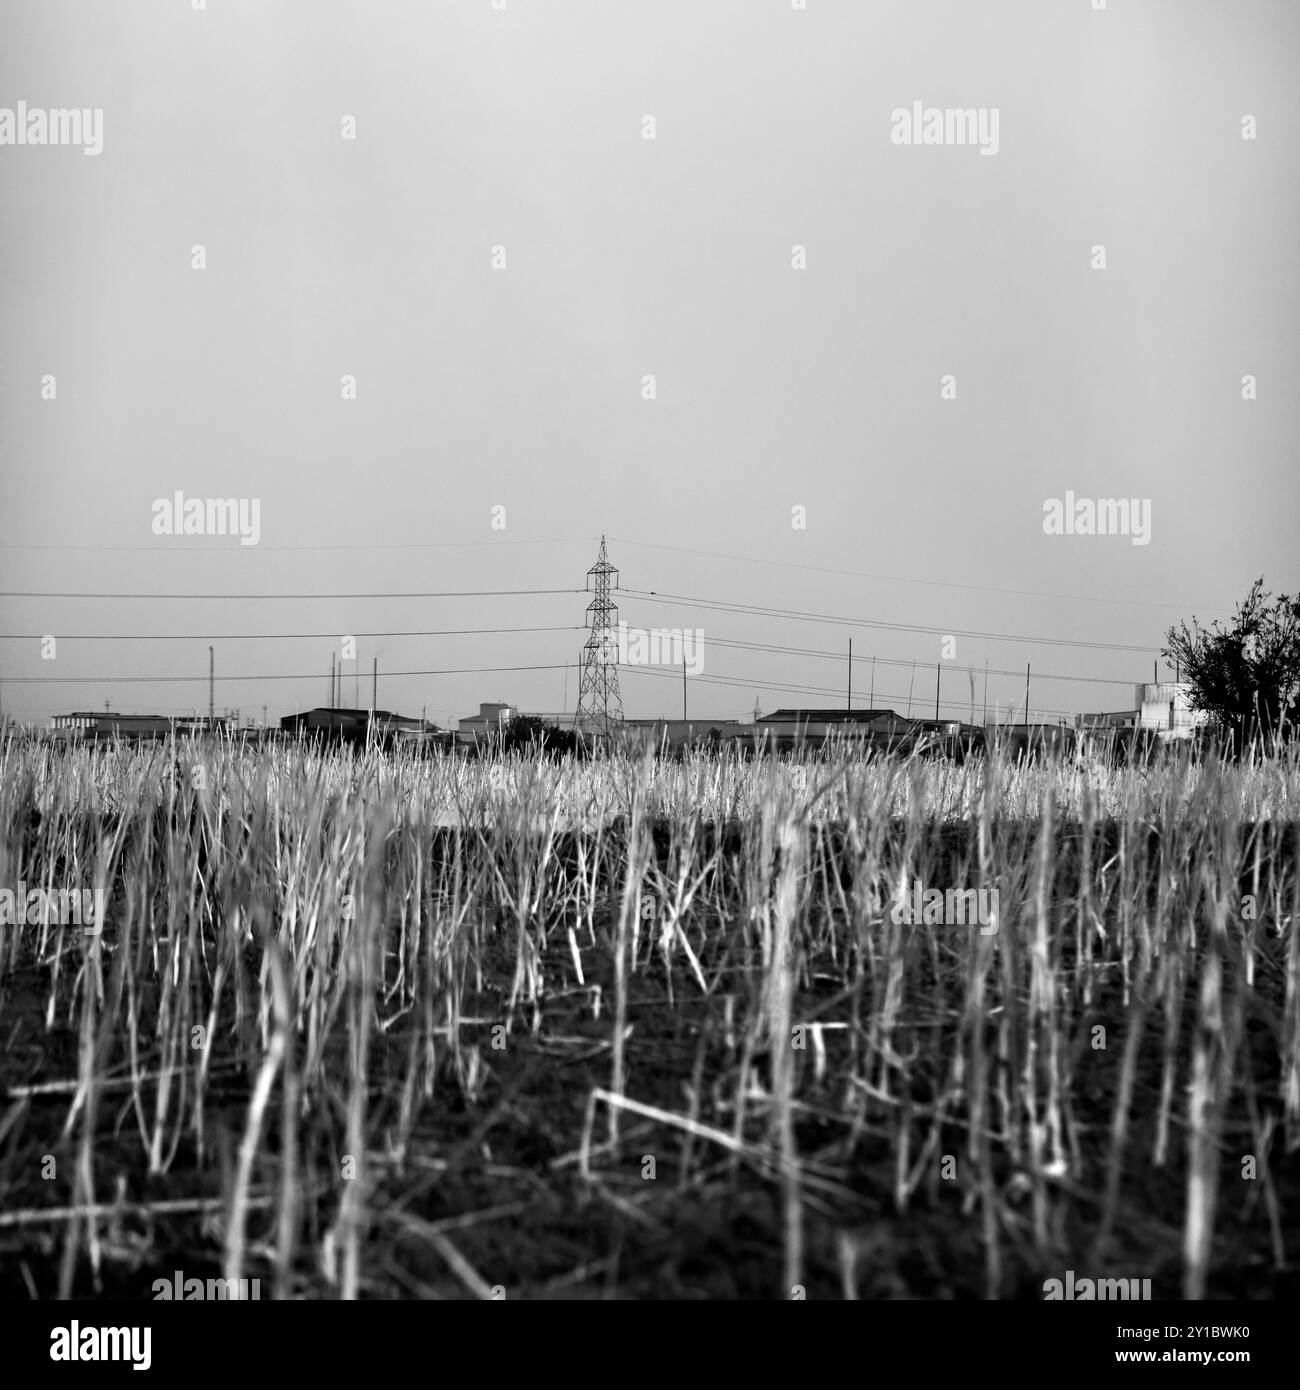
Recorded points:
(600, 707)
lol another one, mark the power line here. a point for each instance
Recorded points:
(415, 594)
(742, 682)
(653, 596)
(310, 676)
(273, 636)
(894, 661)
(745, 682)
(485, 631)
(817, 653)
(912, 579)
(188, 548)
(830, 692)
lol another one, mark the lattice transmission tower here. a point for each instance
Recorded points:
(600, 706)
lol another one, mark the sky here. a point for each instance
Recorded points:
(413, 279)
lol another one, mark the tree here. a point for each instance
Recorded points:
(530, 734)
(1245, 676)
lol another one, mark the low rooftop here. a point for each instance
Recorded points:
(829, 716)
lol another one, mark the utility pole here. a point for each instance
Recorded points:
(356, 681)
(986, 692)
(211, 687)
(1026, 695)
(598, 695)
(873, 683)
(683, 682)
(850, 704)
(910, 686)
(938, 666)
(330, 701)
(374, 686)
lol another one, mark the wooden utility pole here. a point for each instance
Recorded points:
(850, 704)
(331, 698)
(683, 682)
(1026, 696)
(211, 688)
(938, 666)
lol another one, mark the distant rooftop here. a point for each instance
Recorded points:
(829, 716)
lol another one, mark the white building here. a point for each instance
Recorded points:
(1166, 707)
(490, 719)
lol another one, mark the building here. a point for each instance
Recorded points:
(100, 726)
(670, 735)
(590, 729)
(1106, 723)
(1022, 740)
(951, 738)
(1166, 707)
(358, 726)
(79, 724)
(876, 728)
(399, 726)
(330, 723)
(1162, 709)
(491, 720)
(568, 720)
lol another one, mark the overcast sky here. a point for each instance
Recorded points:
(775, 388)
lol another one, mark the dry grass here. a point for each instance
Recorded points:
(343, 1006)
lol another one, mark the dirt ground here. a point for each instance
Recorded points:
(499, 1176)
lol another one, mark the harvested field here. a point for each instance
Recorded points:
(379, 1027)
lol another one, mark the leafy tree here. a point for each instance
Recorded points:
(1245, 676)
(530, 734)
